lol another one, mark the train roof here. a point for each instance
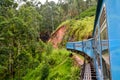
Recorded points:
(99, 5)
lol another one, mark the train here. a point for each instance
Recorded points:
(104, 46)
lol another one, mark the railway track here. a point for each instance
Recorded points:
(89, 72)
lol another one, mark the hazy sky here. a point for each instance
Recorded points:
(43, 1)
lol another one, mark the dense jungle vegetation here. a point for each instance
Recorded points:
(25, 53)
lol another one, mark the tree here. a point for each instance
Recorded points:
(18, 31)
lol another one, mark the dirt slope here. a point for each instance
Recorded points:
(78, 60)
(57, 36)
(56, 39)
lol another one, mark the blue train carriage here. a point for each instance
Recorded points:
(104, 48)
(82, 46)
(106, 32)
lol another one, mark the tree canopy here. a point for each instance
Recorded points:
(23, 28)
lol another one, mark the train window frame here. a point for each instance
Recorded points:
(104, 31)
(102, 17)
(96, 38)
(103, 21)
(103, 24)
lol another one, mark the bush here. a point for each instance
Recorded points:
(75, 73)
(87, 13)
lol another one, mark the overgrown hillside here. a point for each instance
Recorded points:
(75, 30)
(78, 30)
(72, 30)
(55, 64)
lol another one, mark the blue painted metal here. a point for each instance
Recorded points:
(113, 16)
(78, 46)
(104, 44)
(94, 47)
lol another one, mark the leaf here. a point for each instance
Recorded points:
(2, 38)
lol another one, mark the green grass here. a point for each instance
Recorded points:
(55, 65)
(61, 71)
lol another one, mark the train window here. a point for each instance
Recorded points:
(103, 16)
(104, 34)
(96, 39)
(104, 44)
(106, 64)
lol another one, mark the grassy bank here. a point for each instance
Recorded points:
(55, 65)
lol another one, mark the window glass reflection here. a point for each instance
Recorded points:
(105, 54)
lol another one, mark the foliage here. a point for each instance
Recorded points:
(23, 56)
(78, 30)
(53, 67)
(18, 40)
(89, 12)
(53, 14)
